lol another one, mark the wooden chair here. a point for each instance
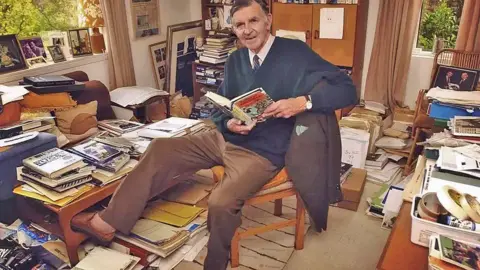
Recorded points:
(278, 188)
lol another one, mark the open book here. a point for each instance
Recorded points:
(246, 107)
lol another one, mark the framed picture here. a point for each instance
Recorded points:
(36, 60)
(56, 53)
(33, 47)
(180, 56)
(80, 42)
(158, 53)
(145, 18)
(458, 79)
(11, 56)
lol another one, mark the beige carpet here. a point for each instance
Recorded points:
(352, 241)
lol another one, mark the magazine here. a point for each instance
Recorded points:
(97, 151)
(459, 253)
(246, 107)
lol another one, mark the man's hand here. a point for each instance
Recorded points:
(236, 126)
(285, 108)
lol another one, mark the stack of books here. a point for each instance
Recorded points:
(119, 126)
(54, 176)
(210, 76)
(216, 49)
(24, 126)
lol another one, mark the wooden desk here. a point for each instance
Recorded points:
(60, 225)
(399, 252)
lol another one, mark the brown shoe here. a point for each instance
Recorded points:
(82, 223)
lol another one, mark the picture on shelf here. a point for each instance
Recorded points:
(457, 79)
(11, 56)
(33, 47)
(56, 53)
(58, 41)
(158, 54)
(80, 42)
(181, 55)
(36, 60)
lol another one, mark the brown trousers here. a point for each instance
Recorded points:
(245, 174)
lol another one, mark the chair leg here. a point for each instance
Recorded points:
(234, 251)
(299, 224)
(277, 211)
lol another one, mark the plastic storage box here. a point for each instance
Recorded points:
(422, 229)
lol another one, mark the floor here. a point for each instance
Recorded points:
(353, 241)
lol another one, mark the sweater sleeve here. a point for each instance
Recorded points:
(330, 88)
(218, 117)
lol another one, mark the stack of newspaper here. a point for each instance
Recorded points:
(54, 176)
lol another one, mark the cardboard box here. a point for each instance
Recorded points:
(352, 189)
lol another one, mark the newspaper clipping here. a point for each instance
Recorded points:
(145, 18)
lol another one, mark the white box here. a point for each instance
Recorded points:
(422, 229)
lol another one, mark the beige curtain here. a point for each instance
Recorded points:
(120, 62)
(392, 51)
(468, 38)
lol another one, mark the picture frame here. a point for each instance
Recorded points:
(32, 47)
(80, 43)
(36, 60)
(158, 54)
(11, 55)
(454, 78)
(181, 53)
(56, 53)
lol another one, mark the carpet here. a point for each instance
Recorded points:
(270, 250)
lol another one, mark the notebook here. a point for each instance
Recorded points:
(172, 213)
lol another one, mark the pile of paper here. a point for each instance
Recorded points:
(469, 98)
(134, 95)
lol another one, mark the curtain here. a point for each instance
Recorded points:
(120, 61)
(468, 37)
(392, 51)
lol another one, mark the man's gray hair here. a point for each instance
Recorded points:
(239, 4)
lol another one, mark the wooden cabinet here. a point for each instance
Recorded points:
(347, 52)
(293, 17)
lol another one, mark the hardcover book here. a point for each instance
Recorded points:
(54, 162)
(47, 80)
(246, 107)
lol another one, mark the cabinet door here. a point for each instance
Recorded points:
(292, 17)
(339, 52)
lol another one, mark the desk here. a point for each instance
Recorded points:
(399, 252)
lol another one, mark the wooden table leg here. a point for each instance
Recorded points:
(72, 239)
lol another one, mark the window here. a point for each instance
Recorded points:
(28, 18)
(439, 24)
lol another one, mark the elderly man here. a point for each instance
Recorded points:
(290, 72)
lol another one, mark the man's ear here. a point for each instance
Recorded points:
(269, 21)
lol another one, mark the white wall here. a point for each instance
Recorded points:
(420, 66)
(171, 12)
(418, 78)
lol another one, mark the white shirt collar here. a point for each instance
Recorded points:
(263, 52)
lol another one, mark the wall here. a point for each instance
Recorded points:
(419, 77)
(420, 66)
(171, 12)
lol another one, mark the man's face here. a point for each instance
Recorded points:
(464, 76)
(449, 74)
(252, 25)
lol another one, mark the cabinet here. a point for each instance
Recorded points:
(347, 52)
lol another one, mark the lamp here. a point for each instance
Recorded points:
(93, 17)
